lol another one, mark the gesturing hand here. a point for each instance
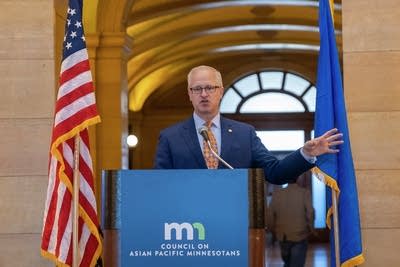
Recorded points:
(323, 144)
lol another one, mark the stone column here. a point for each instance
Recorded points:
(109, 54)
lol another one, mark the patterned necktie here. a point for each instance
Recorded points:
(211, 160)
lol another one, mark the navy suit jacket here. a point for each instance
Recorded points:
(179, 148)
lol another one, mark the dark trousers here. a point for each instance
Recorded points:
(293, 253)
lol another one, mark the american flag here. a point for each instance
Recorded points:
(75, 110)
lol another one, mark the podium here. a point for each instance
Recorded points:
(177, 218)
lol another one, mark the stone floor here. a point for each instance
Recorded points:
(317, 255)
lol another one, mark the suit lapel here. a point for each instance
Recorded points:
(190, 137)
(226, 139)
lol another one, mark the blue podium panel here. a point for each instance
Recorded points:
(182, 218)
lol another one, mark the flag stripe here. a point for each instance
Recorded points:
(71, 109)
(60, 192)
(86, 191)
(70, 74)
(63, 219)
(49, 205)
(89, 252)
(66, 234)
(83, 239)
(74, 83)
(73, 59)
(60, 130)
(66, 100)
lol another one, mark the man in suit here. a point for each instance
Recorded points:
(181, 146)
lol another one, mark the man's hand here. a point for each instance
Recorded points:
(323, 144)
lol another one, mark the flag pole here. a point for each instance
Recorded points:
(75, 201)
(336, 228)
(334, 196)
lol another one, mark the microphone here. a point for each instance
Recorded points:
(203, 132)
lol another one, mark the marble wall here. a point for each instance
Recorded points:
(371, 59)
(26, 108)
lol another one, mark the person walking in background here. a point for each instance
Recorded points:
(291, 218)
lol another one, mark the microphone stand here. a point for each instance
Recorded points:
(217, 156)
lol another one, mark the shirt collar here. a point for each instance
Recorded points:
(199, 122)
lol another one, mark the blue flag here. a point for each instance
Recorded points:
(337, 170)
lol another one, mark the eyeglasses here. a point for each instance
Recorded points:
(208, 88)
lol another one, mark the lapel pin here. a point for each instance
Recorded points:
(230, 130)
